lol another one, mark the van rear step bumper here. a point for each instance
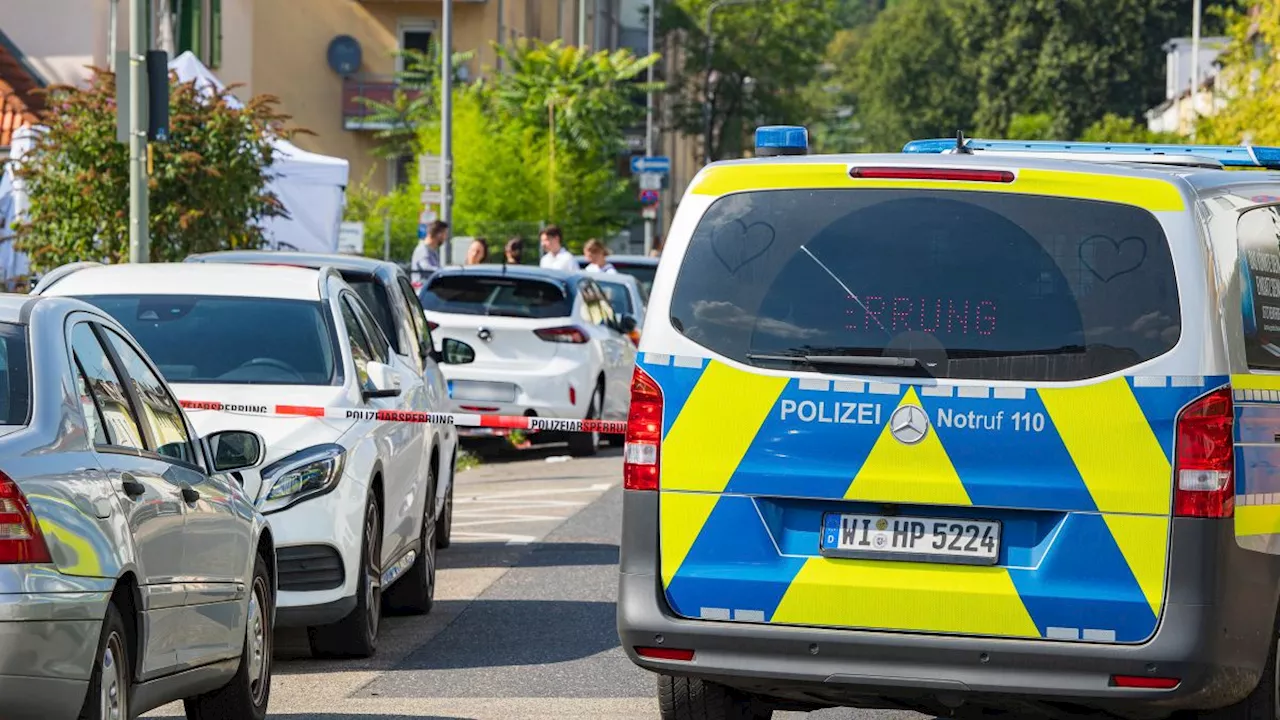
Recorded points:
(1215, 635)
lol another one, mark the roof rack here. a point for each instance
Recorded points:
(48, 279)
(1255, 156)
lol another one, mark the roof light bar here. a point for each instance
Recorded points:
(1229, 155)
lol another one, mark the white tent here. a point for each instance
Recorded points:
(311, 186)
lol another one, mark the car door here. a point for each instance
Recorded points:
(619, 353)
(400, 445)
(152, 502)
(217, 535)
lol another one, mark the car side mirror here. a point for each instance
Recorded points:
(234, 450)
(456, 352)
(627, 324)
(383, 381)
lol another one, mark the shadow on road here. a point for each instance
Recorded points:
(496, 454)
(481, 555)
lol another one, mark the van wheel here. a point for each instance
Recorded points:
(249, 692)
(1264, 702)
(356, 635)
(585, 444)
(682, 698)
(108, 696)
(413, 594)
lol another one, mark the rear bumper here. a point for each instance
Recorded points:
(1214, 636)
(538, 392)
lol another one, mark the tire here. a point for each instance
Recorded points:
(1264, 702)
(249, 692)
(414, 593)
(356, 635)
(682, 698)
(584, 444)
(444, 529)
(111, 681)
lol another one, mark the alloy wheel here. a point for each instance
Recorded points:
(373, 582)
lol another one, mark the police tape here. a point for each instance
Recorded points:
(505, 422)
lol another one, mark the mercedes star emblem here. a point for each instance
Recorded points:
(909, 424)
(484, 334)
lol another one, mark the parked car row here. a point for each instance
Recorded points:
(147, 552)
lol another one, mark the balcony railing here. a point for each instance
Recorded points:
(356, 91)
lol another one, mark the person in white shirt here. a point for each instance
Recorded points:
(556, 257)
(597, 257)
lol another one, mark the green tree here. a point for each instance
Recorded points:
(208, 186)
(833, 94)
(414, 102)
(764, 58)
(1250, 80)
(402, 205)
(1113, 128)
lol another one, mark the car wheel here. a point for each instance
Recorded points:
(584, 444)
(414, 593)
(444, 530)
(682, 698)
(109, 685)
(356, 635)
(1264, 702)
(249, 692)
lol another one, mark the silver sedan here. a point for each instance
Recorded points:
(134, 571)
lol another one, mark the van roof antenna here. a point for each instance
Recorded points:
(961, 147)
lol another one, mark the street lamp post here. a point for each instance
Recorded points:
(706, 99)
(648, 123)
(446, 125)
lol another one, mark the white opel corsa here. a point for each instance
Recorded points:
(352, 503)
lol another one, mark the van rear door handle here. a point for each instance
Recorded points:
(131, 486)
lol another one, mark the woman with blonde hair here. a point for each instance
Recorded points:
(597, 257)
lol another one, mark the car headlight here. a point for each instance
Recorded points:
(303, 475)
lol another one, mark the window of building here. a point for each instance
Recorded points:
(198, 28)
(415, 35)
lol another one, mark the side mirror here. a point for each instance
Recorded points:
(234, 450)
(627, 324)
(383, 381)
(457, 352)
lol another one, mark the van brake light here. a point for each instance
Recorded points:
(20, 538)
(644, 434)
(911, 173)
(1205, 458)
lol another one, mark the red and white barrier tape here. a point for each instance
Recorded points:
(507, 422)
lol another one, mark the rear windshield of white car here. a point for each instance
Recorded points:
(15, 375)
(236, 340)
(979, 285)
(495, 295)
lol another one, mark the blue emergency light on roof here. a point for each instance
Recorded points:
(1228, 155)
(774, 140)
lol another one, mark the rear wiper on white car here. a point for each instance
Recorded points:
(850, 360)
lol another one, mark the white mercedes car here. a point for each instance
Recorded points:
(546, 343)
(352, 502)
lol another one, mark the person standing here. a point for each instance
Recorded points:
(478, 252)
(515, 250)
(426, 257)
(556, 257)
(598, 257)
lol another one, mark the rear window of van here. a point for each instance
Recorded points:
(975, 285)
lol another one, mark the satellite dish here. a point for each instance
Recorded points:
(344, 55)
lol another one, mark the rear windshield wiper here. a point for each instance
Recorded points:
(877, 361)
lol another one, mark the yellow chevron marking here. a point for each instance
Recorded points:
(715, 427)
(1149, 193)
(1257, 520)
(900, 473)
(1144, 542)
(681, 517)
(1112, 445)
(906, 596)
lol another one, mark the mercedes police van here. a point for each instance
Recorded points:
(983, 427)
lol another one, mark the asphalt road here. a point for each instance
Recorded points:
(524, 620)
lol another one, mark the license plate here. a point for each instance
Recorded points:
(482, 391)
(914, 539)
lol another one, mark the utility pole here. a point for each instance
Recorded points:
(446, 128)
(113, 31)
(139, 223)
(1195, 66)
(582, 23)
(501, 32)
(648, 123)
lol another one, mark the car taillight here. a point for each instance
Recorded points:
(567, 334)
(635, 337)
(1205, 458)
(644, 434)
(432, 325)
(20, 538)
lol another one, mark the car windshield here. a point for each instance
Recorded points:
(618, 296)
(980, 285)
(495, 295)
(15, 375)
(375, 296)
(235, 340)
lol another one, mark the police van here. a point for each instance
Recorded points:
(982, 427)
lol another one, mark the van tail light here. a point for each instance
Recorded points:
(1205, 458)
(644, 434)
(566, 334)
(911, 173)
(20, 538)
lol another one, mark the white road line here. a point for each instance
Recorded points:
(489, 537)
(503, 519)
(503, 504)
(533, 493)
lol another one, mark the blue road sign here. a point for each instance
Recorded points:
(659, 165)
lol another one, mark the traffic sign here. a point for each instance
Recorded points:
(650, 212)
(641, 164)
(432, 197)
(429, 170)
(648, 197)
(650, 181)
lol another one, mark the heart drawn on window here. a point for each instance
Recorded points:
(1108, 259)
(736, 243)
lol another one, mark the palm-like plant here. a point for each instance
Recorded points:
(415, 101)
